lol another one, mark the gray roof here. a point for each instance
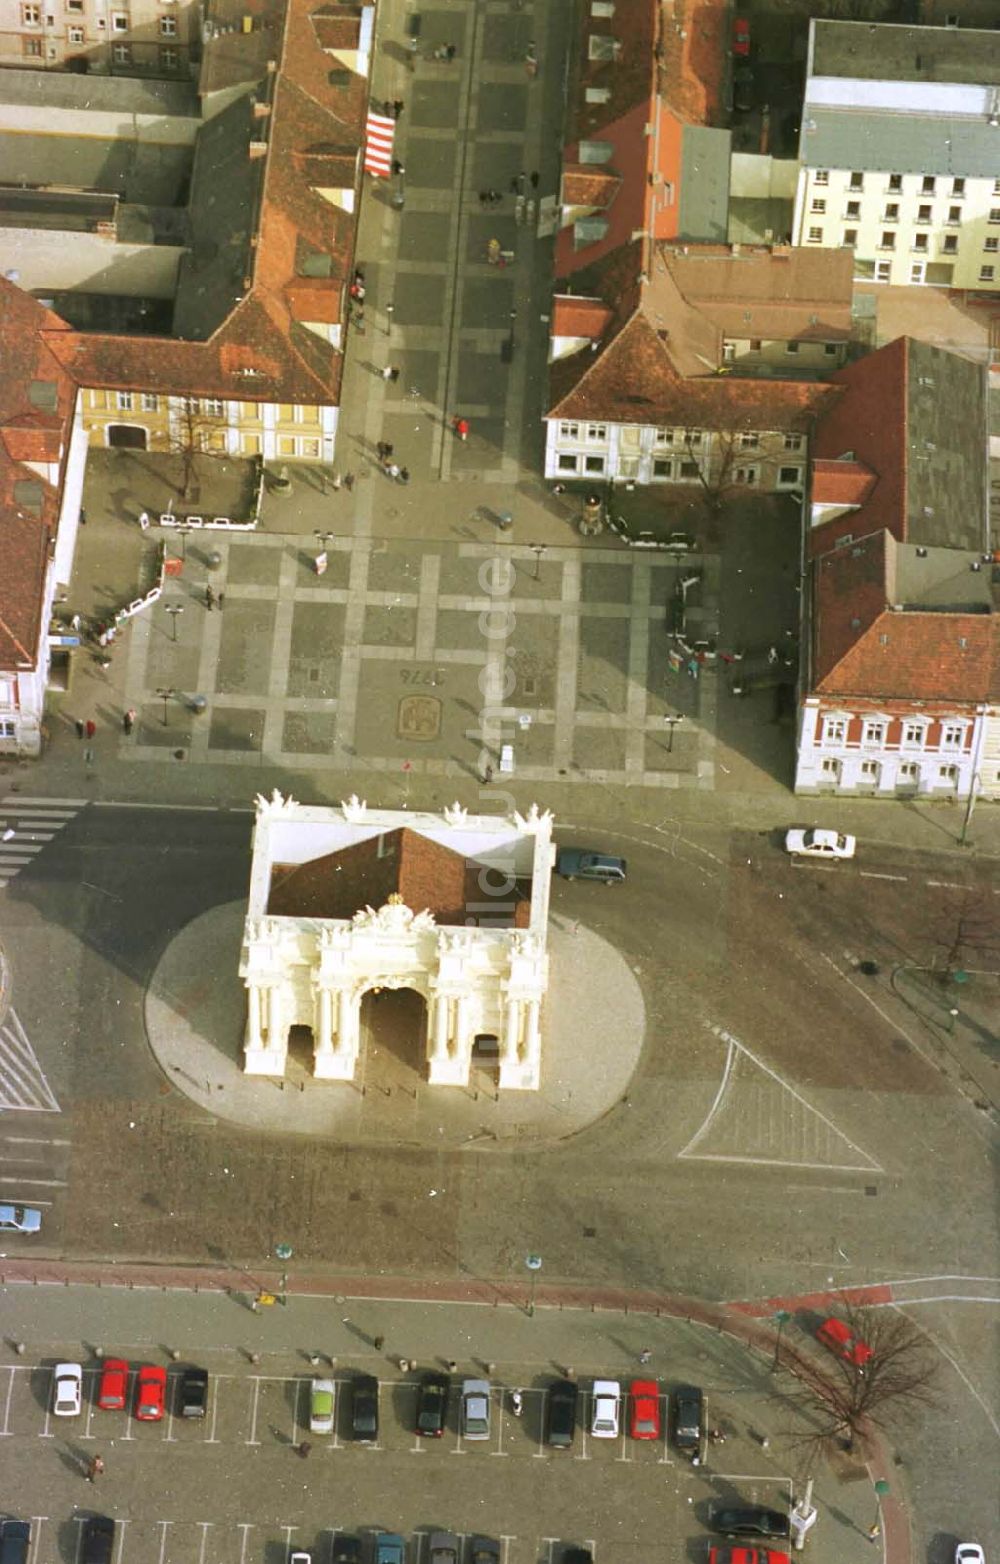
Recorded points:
(117, 95)
(148, 172)
(947, 455)
(225, 199)
(899, 143)
(704, 192)
(885, 52)
(941, 578)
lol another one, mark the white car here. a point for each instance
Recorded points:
(19, 1219)
(605, 1418)
(67, 1390)
(969, 1553)
(820, 844)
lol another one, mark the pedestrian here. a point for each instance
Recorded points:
(522, 176)
(450, 52)
(394, 373)
(303, 1449)
(874, 1532)
(397, 107)
(487, 774)
(209, 599)
(381, 450)
(83, 517)
(484, 197)
(461, 428)
(452, 1365)
(348, 481)
(494, 197)
(645, 1355)
(392, 470)
(413, 46)
(387, 109)
(378, 1343)
(336, 481)
(144, 519)
(78, 724)
(128, 720)
(534, 180)
(95, 1468)
(397, 166)
(359, 322)
(90, 727)
(404, 475)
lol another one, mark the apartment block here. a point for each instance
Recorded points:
(898, 152)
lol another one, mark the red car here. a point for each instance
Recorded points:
(835, 1335)
(113, 1389)
(644, 1409)
(741, 35)
(150, 1393)
(719, 1555)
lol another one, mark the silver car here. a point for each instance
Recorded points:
(476, 1408)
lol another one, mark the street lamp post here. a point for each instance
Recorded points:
(881, 1489)
(782, 1317)
(538, 549)
(534, 1264)
(671, 725)
(284, 1253)
(166, 696)
(173, 609)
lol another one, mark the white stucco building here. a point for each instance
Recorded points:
(349, 901)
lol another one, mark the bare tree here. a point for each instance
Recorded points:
(192, 430)
(897, 1381)
(968, 923)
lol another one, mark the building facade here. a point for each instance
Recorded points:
(898, 152)
(158, 38)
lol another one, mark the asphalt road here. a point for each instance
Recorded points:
(789, 1127)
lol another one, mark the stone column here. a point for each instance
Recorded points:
(512, 1032)
(263, 1056)
(339, 1061)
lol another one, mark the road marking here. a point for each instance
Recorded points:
(43, 1183)
(245, 1527)
(253, 1440)
(204, 809)
(163, 1539)
(22, 1080)
(35, 1140)
(809, 1117)
(870, 874)
(30, 815)
(5, 1430)
(948, 885)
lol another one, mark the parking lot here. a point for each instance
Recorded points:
(233, 1486)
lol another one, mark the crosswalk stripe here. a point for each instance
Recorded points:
(29, 798)
(31, 822)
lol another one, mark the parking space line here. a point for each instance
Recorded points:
(871, 874)
(5, 1430)
(245, 1527)
(211, 1440)
(253, 1440)
(163, 1525)
(205, 1525)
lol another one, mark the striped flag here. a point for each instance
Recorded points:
(378, 144)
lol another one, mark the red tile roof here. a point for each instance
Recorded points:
(776, 293)
(426, 874)
(868, 425)
(28, 434)
(657, 365)
(580, 317)
(841, 483)
(863, 647)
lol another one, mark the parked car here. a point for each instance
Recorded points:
(485, 1550)
(741, 35)
(750, 1520)
(15, 1542)
(969, 1553)
(98, 1540)
(19, 1219)
(689, 1417)
(347, 1549)
(432, 1405)
(322, 1393)
(443, 1547)
(299, 1556)
(560, 1423)
(577, 1556)
(150, 1393)
(389, 1548)
(717, 1555)
(835, 1335)
(364, 1409)
(193, 1396)
(644, 1409)
(576, 863)
(112, 1391)
(67, 1389)
(605, 1417)
(820, 844)
(743, 89)
(476, 1408)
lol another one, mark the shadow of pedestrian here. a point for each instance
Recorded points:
(75, 1460)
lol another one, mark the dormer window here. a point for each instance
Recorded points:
(596, 151)
(601, 46)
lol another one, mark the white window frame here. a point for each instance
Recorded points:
(568, 461)
(596, 434)
(834, 730)
(953, 735)
(168, 27)
(124, 401)
(150, 402)
(914, 734)
(873, 731)
(748, 477)
(569, 432)
(789, 483)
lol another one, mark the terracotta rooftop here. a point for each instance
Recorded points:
(864, 647)
(425, 874)
(658, 363)
(841, 483)
(36, 411)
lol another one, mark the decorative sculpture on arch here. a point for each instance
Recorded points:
(355, 809)
(277, 804)
(456, 814)
(394, 917)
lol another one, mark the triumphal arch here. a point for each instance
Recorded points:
(350, 900)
